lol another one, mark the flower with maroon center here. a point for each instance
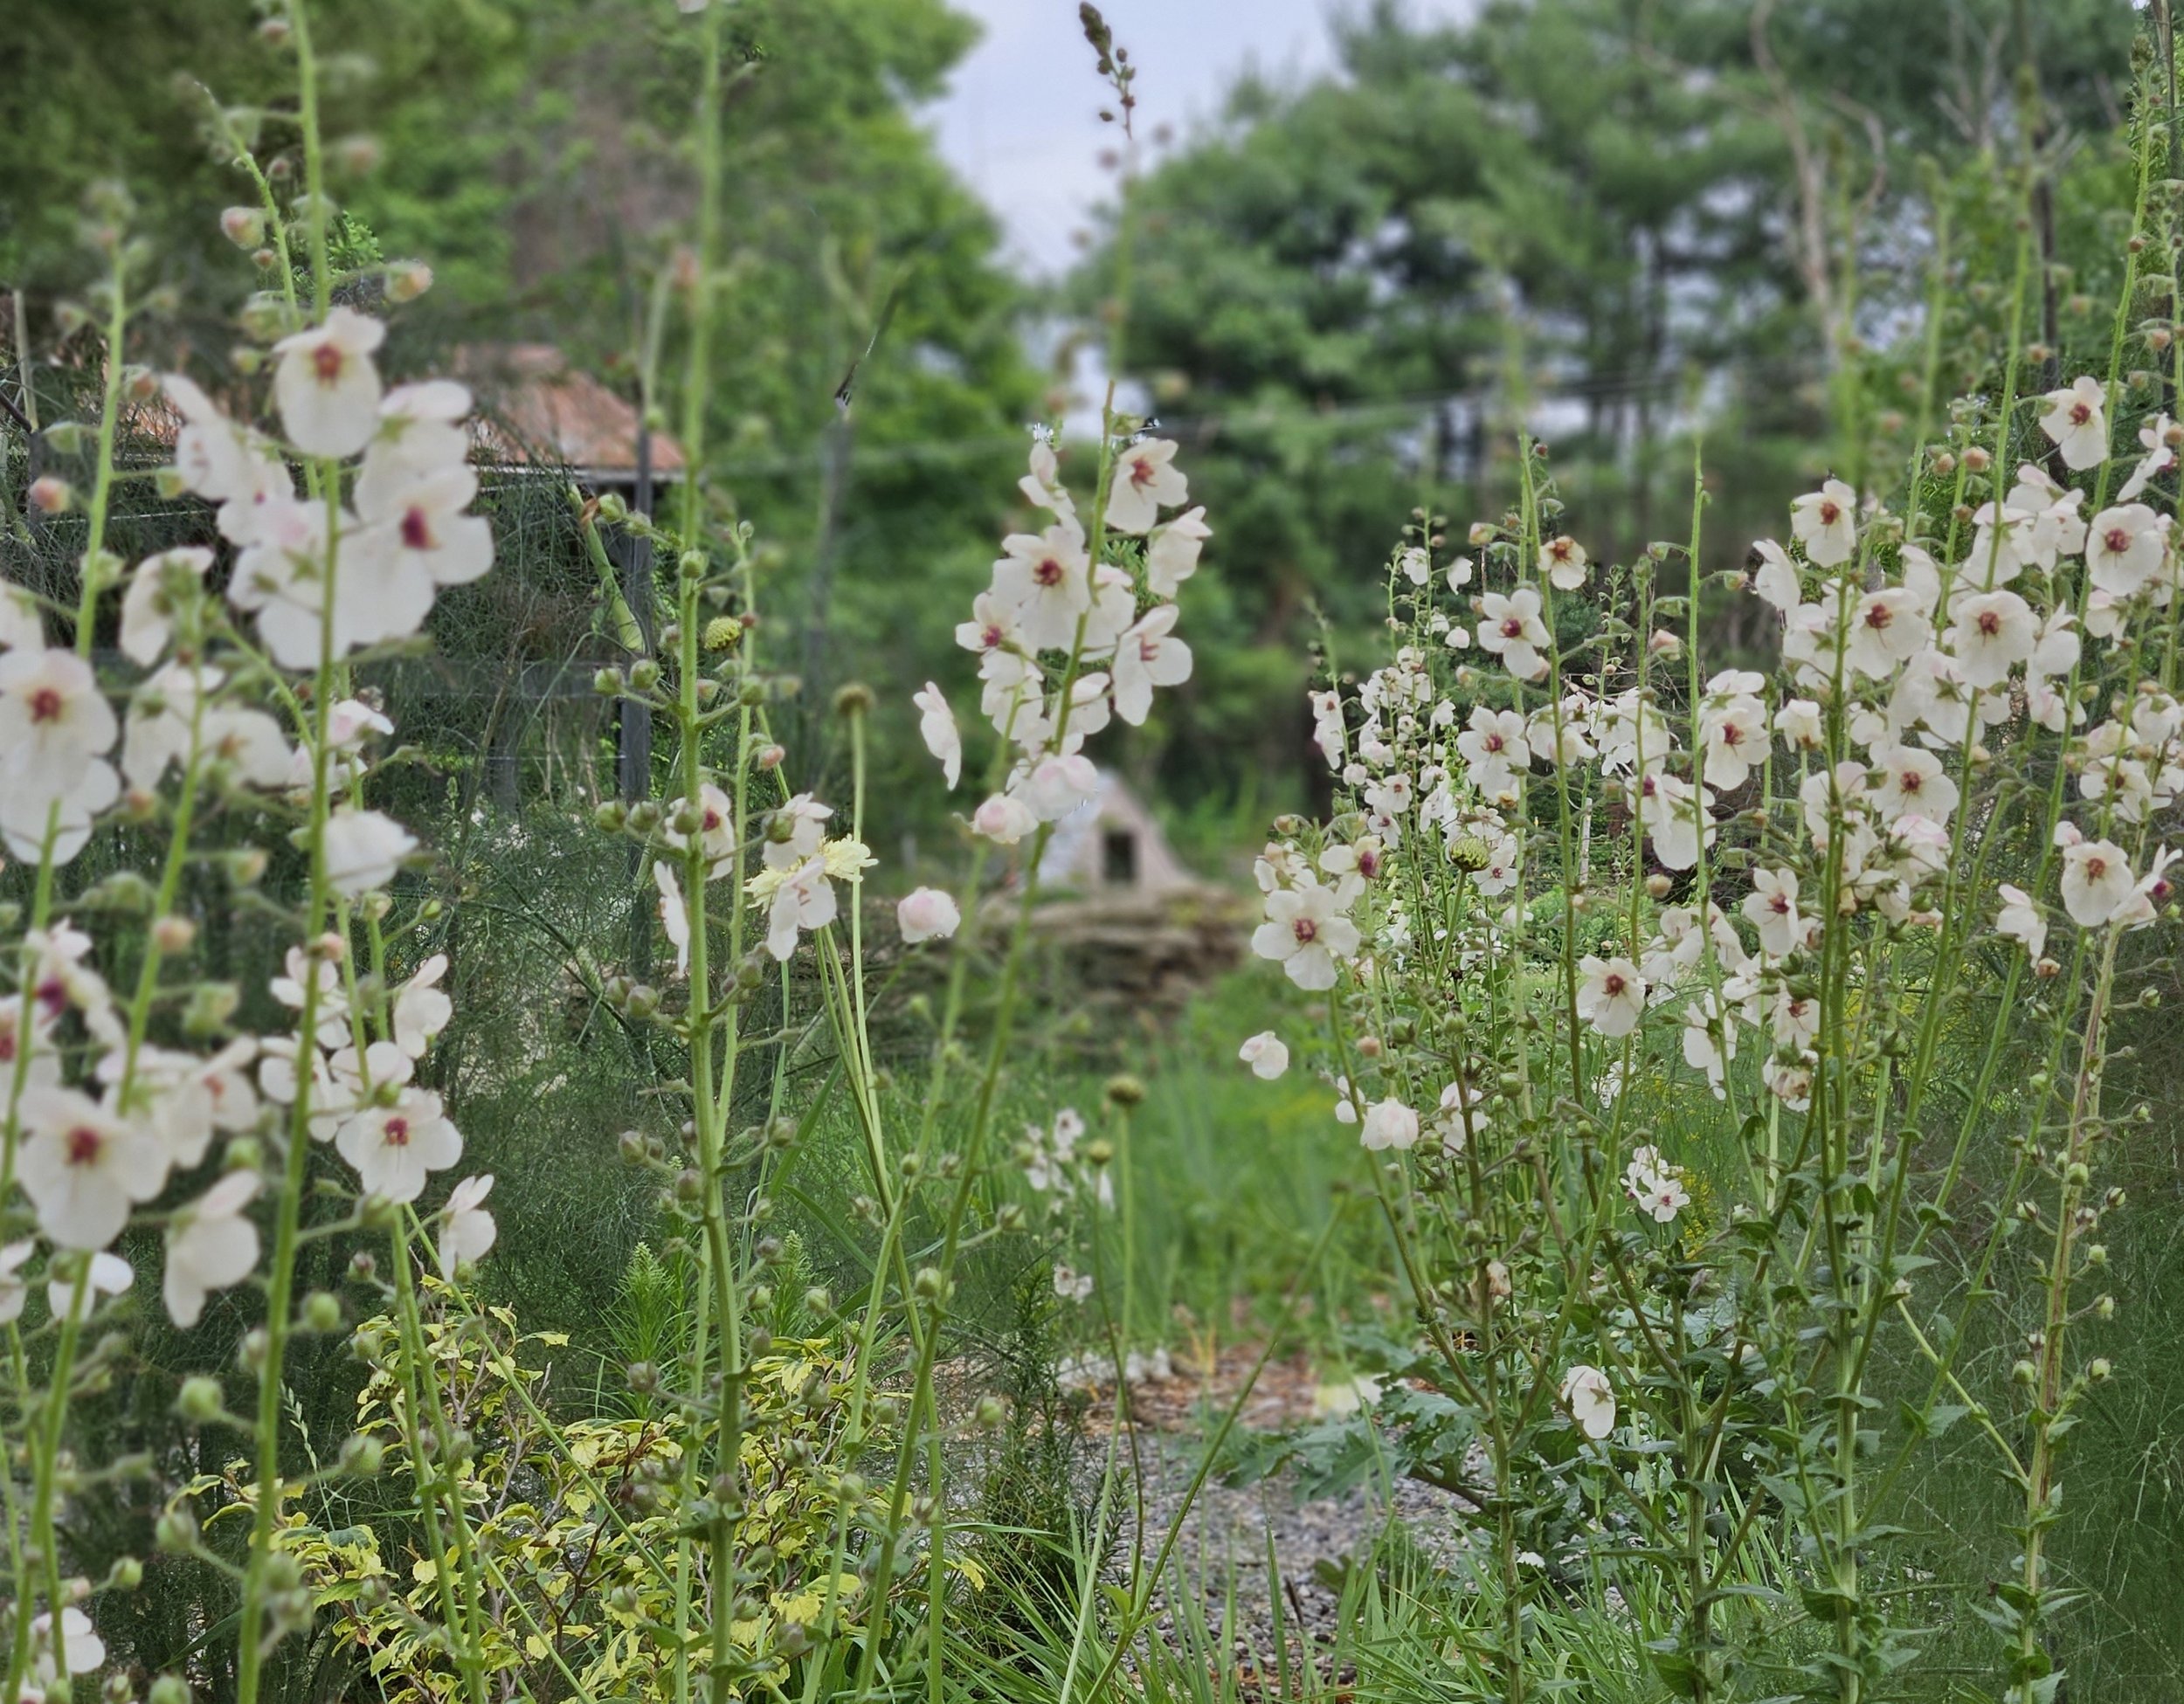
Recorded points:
(1306, 933)
(54, 723)
(2076, 422)
(1611, 995)
(1146, 479)
(1043, 579)
(1563, 560)
(326, 386)
(84, 1166)
(2097, 881)
(1825, 522)
(396, 1147)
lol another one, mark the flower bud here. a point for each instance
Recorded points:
(199, 1401)
(176, 1531)
(644, 675)
(2101, 1370)
(51, 494)
(2104, 1308)
(243, 227)
(723, 633)
(1099, 1151)
(174, 934)
(407, 280)
(363, 1264)
(1123, 1090)
(768, 756)
(2024, 1372)
(608, 682)
(362, 1456)
(126, 1575)
(691, 565)
(929, 1283)
(322, 1313)
(1978, 460)
(169, 1689)
(854, 700)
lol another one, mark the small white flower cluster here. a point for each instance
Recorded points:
(795, 883)
(1659, 1188)
(106, 1117)
(1053, 1167)
(1049, 600)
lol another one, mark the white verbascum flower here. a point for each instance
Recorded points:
(211, 1245)
(100, 1275)
(799, 901)
(421, 1008)
(2124, 547)
(1563, 560)
(926, 913)
(1591, 1400)
(674, 915)
(1772, 906)
(84, 1166)
(2097, 879)
(1004, 819)
(13, 1292)
(1655, 1185)
(363, 850)
(2020, 920)
(430, 536)
(467, 1230)
(326, 387)
(1146, 480)
(1992, 633)
(1611, 995)
(1388, 1124)
(1266, 1054)
(1307, 935)
(937, 725)
(1777, 581)
(1826, 523)
(2077, 421)
(1146, 656)
(55, 725)
(1512, 630)
(86, 1651)
(1172, 552)
(1887, 627)
(147, 608)
(396, 1148)
(1044, 581)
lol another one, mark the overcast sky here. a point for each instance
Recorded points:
(1021, 120)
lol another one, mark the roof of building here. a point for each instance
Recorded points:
(535, 409)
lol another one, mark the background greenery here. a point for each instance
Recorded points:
(1610, 220)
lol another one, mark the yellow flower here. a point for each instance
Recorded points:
(845, 857)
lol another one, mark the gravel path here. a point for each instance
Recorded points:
(1228, 1536)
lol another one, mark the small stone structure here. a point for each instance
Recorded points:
(1126, 923)
(1111, 846)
